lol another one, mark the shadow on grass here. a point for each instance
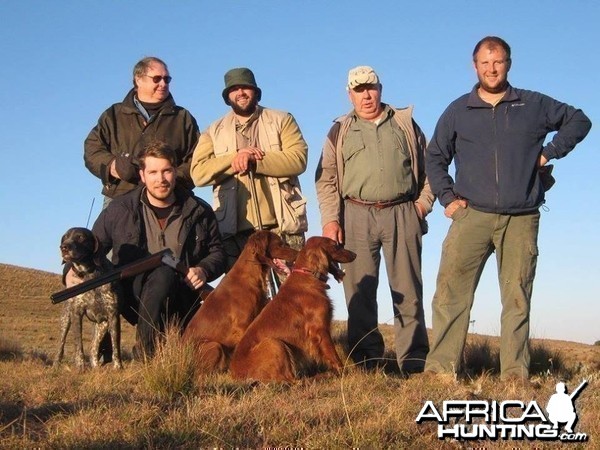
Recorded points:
(19, 419)
(482, 357)
(10, 350)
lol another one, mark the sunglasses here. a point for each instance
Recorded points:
(156, 78)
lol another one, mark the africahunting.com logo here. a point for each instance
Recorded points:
(510, 419)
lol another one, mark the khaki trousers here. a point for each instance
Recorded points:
(395, 230)
(472, 238)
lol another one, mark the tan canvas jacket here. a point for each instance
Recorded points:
(286, 155)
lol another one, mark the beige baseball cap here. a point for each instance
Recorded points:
(361, 75)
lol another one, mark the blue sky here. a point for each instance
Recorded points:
(67, 61)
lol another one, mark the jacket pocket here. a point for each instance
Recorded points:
(293, 208)
(351, 148)
(401, 143)
(545, 174)
(225, 202)
(460, 214)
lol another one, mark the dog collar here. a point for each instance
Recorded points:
(317, 275)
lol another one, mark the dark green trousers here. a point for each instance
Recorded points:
(472, 238)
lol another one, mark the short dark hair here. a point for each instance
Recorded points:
(157, 149)
(142, 66)
(492, 42)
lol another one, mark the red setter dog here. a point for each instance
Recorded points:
(296, 325)
(219, 324)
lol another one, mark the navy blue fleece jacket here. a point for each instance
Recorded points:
(495, 149)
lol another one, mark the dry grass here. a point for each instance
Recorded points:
(160, 404)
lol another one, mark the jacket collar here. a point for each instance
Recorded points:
(130, 108)
(474, 101)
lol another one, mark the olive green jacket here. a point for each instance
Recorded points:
(121, 134)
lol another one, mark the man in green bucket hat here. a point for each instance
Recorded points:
(252, 157)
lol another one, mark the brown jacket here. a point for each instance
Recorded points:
(121, 133)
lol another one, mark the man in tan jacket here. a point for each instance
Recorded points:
(374, 196)
(260, 140)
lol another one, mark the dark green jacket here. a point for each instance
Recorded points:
(121, 133)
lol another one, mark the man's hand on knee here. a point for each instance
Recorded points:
(195, 277)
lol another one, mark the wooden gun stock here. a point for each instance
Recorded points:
(127, 271)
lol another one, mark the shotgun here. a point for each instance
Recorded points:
(576, 392)
(127, 271)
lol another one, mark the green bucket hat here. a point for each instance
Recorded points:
(240, 76)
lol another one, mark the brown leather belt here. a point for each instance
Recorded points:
(378, 205)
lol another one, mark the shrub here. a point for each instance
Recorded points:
(170, 373)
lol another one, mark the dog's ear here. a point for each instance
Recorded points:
(256, 243)
(97, 245)
(62, 241)
(98, 252)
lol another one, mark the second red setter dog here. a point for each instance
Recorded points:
(219, 324)
(296, 325)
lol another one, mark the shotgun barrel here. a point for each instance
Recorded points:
(127, 271)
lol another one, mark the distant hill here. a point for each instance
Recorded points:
(28, 317)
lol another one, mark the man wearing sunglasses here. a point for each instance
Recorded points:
(147, 112)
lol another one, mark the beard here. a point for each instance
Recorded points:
(245, 110)
(162, 192)
(495, 88)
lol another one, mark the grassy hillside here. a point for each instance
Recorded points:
(163, 405)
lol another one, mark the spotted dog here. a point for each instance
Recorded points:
(81, 252)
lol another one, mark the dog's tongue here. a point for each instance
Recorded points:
(336, 271)
(281, 266)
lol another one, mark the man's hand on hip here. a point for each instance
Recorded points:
(453, 206)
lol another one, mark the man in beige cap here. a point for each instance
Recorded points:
(373, 195)
(257, 141)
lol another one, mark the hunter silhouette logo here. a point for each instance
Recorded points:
(509, 419)
(561, 406)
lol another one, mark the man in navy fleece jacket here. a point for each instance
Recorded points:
(495, 135)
